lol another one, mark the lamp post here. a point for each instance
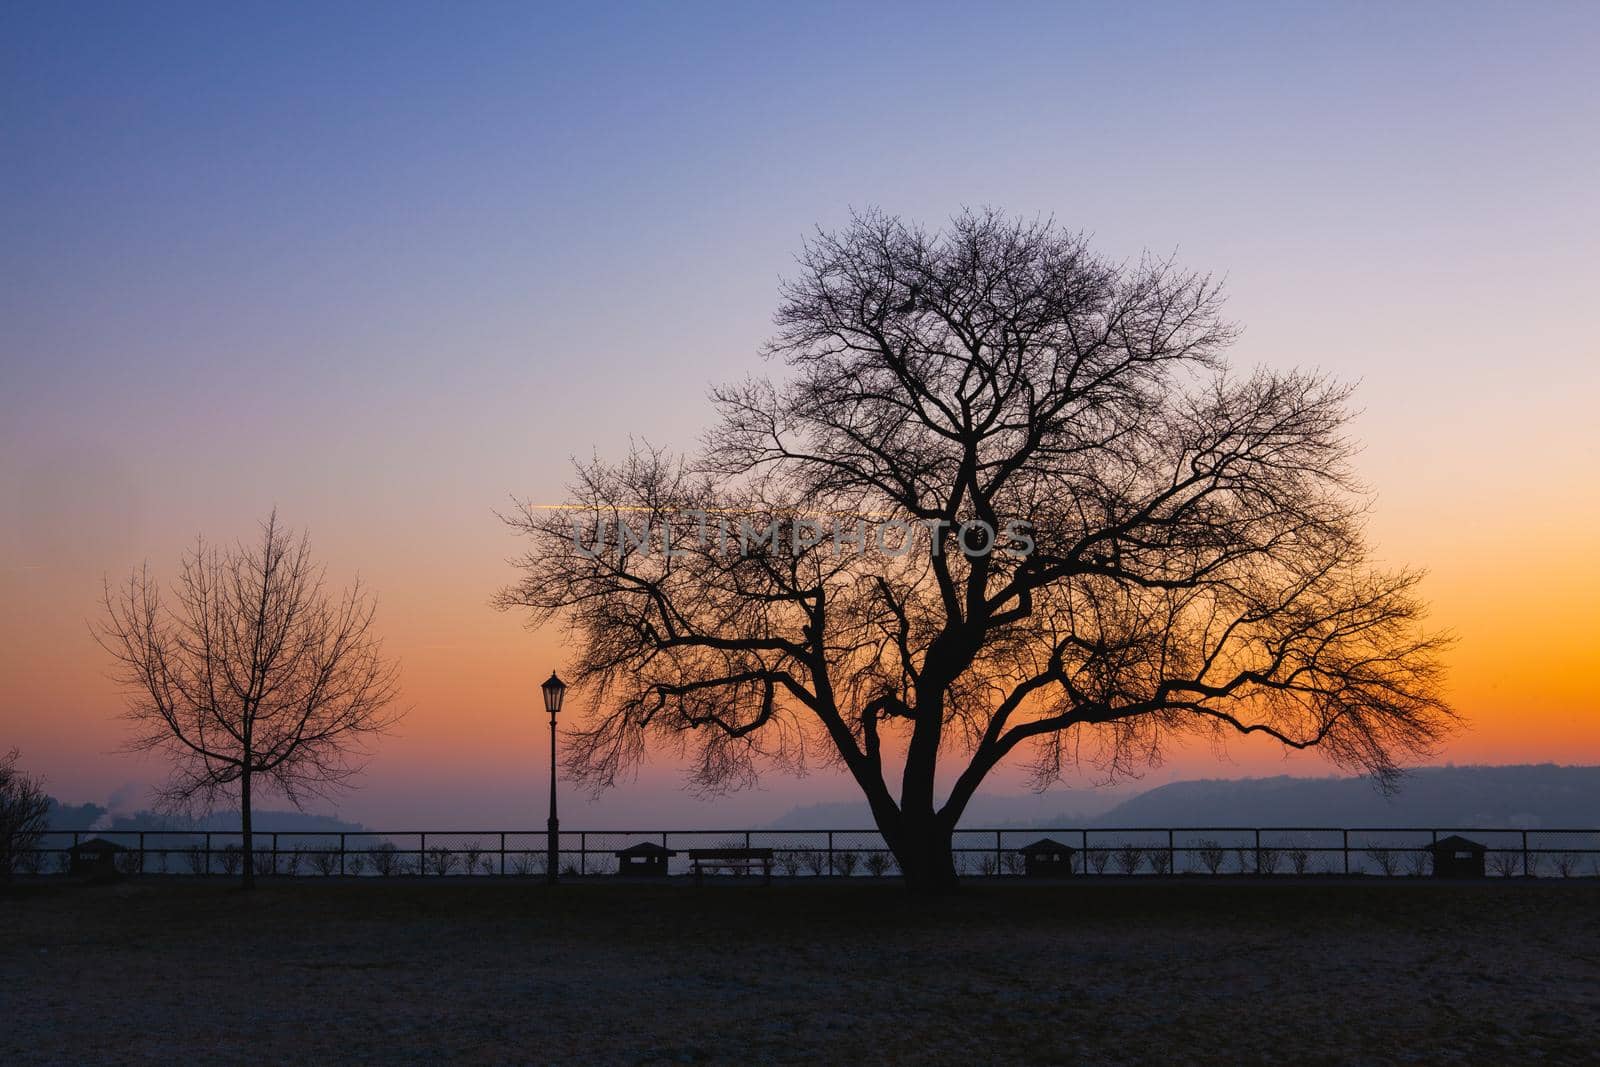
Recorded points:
(555, 690)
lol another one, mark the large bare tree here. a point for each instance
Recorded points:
(252, 677)
(1114, 541)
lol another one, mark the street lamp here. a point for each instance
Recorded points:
(555, 690)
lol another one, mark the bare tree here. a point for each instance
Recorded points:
(1086, 538)
(252, 677)
(24, 811)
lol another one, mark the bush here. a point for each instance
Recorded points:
(528, 864)
(473, 859)
(231, 858)
(356, 864)
(1385, 858)
(1160, 861)
(1417, 863)
(441, 861)
(386, 859)
(1299, 860)
(1566, 863)
(1096, 860)
(789, 862)
(1129, 857)
(814, 861)
(265, 862)
(846, 861)
(1211, 855)
(325, 861)
(1506, 864)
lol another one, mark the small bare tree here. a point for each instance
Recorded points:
(24, 809)
(1129, 857)
(252, 677)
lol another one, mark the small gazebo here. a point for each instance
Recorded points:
(94, 858)
(1457, 857)
(1046, 858)
(646, 859)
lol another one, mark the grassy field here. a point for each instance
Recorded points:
(490, 971)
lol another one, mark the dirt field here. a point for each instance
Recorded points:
(495, 972)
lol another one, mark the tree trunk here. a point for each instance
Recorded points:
(245, 832)
(922, 846)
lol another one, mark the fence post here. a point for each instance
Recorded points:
(1172, 854)
(422, 854)
(583, 853)
(1083, 836)
(502, 853)
(341, 854)
(1258, 852)
(1346, 834)
(999, 861)
(274, 852)
(208, 849)
(1525, 854)
(830, 853)
(142, 860)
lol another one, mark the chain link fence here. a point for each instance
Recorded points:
(1127, 853)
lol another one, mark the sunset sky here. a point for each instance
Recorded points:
(387, 268)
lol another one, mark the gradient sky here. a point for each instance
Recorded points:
(386, 266)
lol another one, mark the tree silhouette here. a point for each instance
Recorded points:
(1010, 495)
(252, 676)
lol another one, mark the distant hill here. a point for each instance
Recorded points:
(1061, 808)
(1525, 796)
(93, 816)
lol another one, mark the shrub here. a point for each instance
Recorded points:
(1299, 859)
(356, 864)
(231, 859)
(1210, 854)
(1566, 863)
(814, 861)
(790, 862)
(441, 861)
(1506, 864)
(1385, 858)
(325, 861)
(1096, 859)
(386, 860)
(1417, 863)
(1160, 861)
(879, 863)
(1129, 857)
(472, 857)
(263, 863)
(526, 864)
(846, 861)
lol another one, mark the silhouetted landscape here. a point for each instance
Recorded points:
(770, 533)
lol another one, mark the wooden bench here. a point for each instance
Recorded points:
(731, 860)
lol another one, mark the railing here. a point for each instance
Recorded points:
(1382, 851)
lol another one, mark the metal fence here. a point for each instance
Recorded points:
(1208, 852)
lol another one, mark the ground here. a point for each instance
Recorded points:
(1105, 971)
